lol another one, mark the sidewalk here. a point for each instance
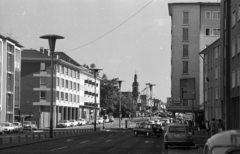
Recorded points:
(200, 137)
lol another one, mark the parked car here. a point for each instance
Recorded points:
(106, 120)
(27, 125)
(226, 142)
(148, 130)
(111, 119)
(99, 120)
(178, 134)
(151, 122)
(74, 122)
(64, 124)
(7, 127)
(34, 124)
(18, 126)
(82, 122)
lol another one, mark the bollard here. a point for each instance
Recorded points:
(19, 139)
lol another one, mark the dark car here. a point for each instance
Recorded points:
(148, 130)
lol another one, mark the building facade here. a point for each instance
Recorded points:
(73, 93)
(212, 81)
(10, 69)
(194, 27)
(230, 61)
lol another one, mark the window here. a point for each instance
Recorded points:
(42, 94)
(238, 77)
(216, 72)
(238, 11)
(74, 86)
(216, 15)
(62, 70)
(207, 31)
(205, 59)
(233, 48)
(185, 18)
(57, 95)
(62, 96)
(62, 83)
(57, 81)
(233, 79)
(216, 32)
(43, 67)
(207, 15)
(185, 51)
(185, 102)
(234, 18)
(185, 34)
(216, 50)
(238, 44)
(185, 67)
(66, 96)
(43, 80)
(70, 97)
(216, 93)
(70, 84)
(57, 68)
(66, 84)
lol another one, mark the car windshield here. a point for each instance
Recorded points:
(33, 122)
(177, 129)
(17, 124)
(63, 121)
(156, 126)
(27, 122)
(5, 124)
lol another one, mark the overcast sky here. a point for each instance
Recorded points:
(119, 36)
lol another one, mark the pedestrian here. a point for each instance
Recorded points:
(220, 125)
(207, 126)
(213, 127)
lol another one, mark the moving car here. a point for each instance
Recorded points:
(178, 135)
(18, 126)
(27, 125)
(7, 127)
(64, 124)
(82, 122)
(148, 129)
(227, 142)
(74, 122)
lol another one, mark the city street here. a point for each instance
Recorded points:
(116, 141)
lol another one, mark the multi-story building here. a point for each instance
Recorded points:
(230, 61)
(73, 88)
(194, 27)
(10, 69)
(212, 81)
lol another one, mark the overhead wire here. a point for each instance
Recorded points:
(111, 29)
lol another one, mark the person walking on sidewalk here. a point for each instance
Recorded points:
(220, 125)
(213, 127)
(207, 126)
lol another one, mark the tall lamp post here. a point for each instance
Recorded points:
(51, 41)
(120, 112)
(150, 86)
(95, 70)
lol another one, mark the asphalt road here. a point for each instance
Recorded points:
(117, 141)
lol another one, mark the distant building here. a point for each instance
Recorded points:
(194, 27)
(135, 88)
(10, 70)
(73, 88)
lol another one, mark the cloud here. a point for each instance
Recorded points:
(115, 61)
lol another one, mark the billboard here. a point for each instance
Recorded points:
(187, 88)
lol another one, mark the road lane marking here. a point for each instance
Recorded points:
(108, 140)
(84, 142)
(99, 137)
(68, 140)
(59, 148)
(112, 149)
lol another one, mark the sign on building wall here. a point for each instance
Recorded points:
(187, 88)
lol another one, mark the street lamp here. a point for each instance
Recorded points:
(95, 70)
(150, 86)
(51, 41)
(120, 113)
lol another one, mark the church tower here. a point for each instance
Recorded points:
(135, 88)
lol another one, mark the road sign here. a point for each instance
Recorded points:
(187, 88)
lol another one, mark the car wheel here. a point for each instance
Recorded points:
(165, 146)
(136, 133)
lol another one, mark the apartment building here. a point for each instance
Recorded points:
(230, 61)
(10, 69)
(72, 90)
(194, 27)
(212, 81)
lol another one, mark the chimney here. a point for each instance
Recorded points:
(45, 51)
(42, 49)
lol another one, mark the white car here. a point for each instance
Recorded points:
(8, 127)
(82, 122)
(74, 122)
(106, 120)
(64, 123)
(99, 120)
(226, 142)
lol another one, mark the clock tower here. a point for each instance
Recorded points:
(135, 88)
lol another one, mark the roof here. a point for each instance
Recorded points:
(191, 3)
(32, 53)
(66, 58)
(11, 40)
(210, 46)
